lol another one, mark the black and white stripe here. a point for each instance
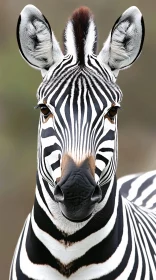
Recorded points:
(140, 189)
(117, 241)
(79, 117)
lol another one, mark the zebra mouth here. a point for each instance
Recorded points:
(77, 213)
(77, 220)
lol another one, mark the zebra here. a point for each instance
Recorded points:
(81, 227)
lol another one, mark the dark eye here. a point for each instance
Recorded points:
(112, 112)
(45, 110)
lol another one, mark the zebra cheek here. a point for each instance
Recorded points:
(99, 168)
(56, 174)
(53, 166)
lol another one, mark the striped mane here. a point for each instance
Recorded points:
(80, 35)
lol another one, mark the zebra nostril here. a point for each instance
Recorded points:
(96, 195)
(57, 180)
(58, 194)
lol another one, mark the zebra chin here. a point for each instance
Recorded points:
(80, 220)
(78, 214)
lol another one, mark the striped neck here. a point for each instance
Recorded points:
(77, 244)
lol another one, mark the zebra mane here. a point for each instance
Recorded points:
(80, 35)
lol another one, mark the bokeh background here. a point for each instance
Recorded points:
(18, 119)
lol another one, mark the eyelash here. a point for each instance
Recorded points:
(112, 112)
(44, 110)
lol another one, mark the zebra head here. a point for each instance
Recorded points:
(78, 99)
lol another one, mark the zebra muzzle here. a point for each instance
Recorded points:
(77, 192)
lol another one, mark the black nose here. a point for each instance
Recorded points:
(77, 192)
(94, 197)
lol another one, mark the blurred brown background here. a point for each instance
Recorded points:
(18, 119)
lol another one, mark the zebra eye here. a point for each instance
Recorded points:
(45, 110)
(112, 112)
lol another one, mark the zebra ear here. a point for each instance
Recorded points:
(36, 41)
(125, 41)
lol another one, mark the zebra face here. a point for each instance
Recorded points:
(78, 99)
(78, 128)
(80, 116)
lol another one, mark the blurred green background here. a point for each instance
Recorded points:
(18, 119)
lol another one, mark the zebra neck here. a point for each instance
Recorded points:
(67, 251)
(49, 219)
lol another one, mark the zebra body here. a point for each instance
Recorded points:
(140, 189)
(80, 226)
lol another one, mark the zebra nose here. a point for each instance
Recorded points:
(96, 195)
(58, 194)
